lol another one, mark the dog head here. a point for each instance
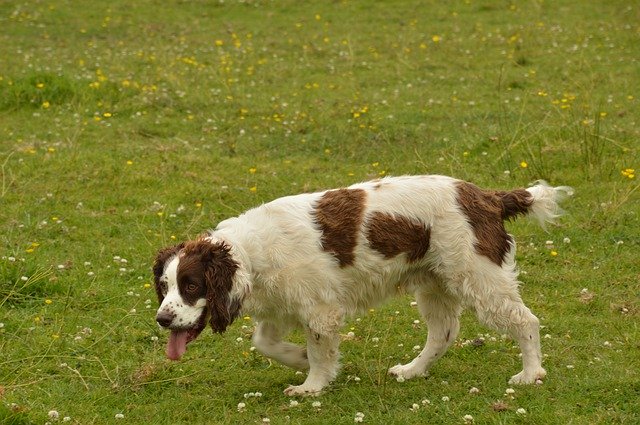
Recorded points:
(194, 282)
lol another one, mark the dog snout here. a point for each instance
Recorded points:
(164, 318)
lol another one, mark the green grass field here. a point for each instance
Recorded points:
(128, 125)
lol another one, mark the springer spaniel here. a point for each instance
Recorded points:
(311, 260)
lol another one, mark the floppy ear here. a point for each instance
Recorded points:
(220, 269)
(158, 266)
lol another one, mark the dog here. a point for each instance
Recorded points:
(311, 260)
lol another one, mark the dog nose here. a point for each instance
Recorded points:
(164, 318)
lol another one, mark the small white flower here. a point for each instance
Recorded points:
(293, 403)
(1, 325)
(607, 344)
(474, 390)
(24, 278)
(87, 263)
(241, 407)
(266, 420)
(521, 411)
(239, 339)
(132, 311)
(413, 304)
(11, 259)
(53, 415)
(351, 335)
(119, 416)
(416, 348)
(359, 417)
(91, 274)
(445, 398)
(415, 406)
(375, 339)
(356, 378)
(509, 391)
(66, 419)
(426, 402)
(468, 419)
(60, 266)
(400, 378)
(316, 404)
(416, 322)
(570, 366)
(154, 338)
(566, 240)
(548, 243)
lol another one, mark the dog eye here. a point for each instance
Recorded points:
(192, 287)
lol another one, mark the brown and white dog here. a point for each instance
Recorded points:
(311, 260)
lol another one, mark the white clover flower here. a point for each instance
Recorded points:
(468, 419)
(239, 339)
(53, 415)
(24, 278)
(426, 402)
(521, 411)
(509, 391)
(351, 335)
(241, 407)
(316, 404)
(416, 322)
(66, 419)
(375, 339)
(474, 390)
(445, 398)
(359, 417)
(119, 416)
(266, 420)
(400, 378)
(293, 403)
(414, 407)
(413, 304)
(566, 240)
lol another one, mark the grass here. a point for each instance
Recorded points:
(127, 125)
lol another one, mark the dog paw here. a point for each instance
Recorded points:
(303, 390)
(528, 377)
(403, 372)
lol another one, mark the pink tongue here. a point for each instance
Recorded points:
(177, 344)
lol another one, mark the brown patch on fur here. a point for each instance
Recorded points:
(486, 211)
(339, 215)
(392, 235)
(218, 269)
(514, 203)
(158, 267)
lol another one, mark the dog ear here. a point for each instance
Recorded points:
(158, 266)
(220, 270)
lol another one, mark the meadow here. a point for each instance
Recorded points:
(126, 126)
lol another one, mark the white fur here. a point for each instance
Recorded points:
(287, 280)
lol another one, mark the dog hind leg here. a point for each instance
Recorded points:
(441, 312)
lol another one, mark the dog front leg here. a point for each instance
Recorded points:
(323, 340)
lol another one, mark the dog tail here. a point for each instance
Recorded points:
(540, 202)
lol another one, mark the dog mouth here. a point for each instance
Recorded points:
(179, 338)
